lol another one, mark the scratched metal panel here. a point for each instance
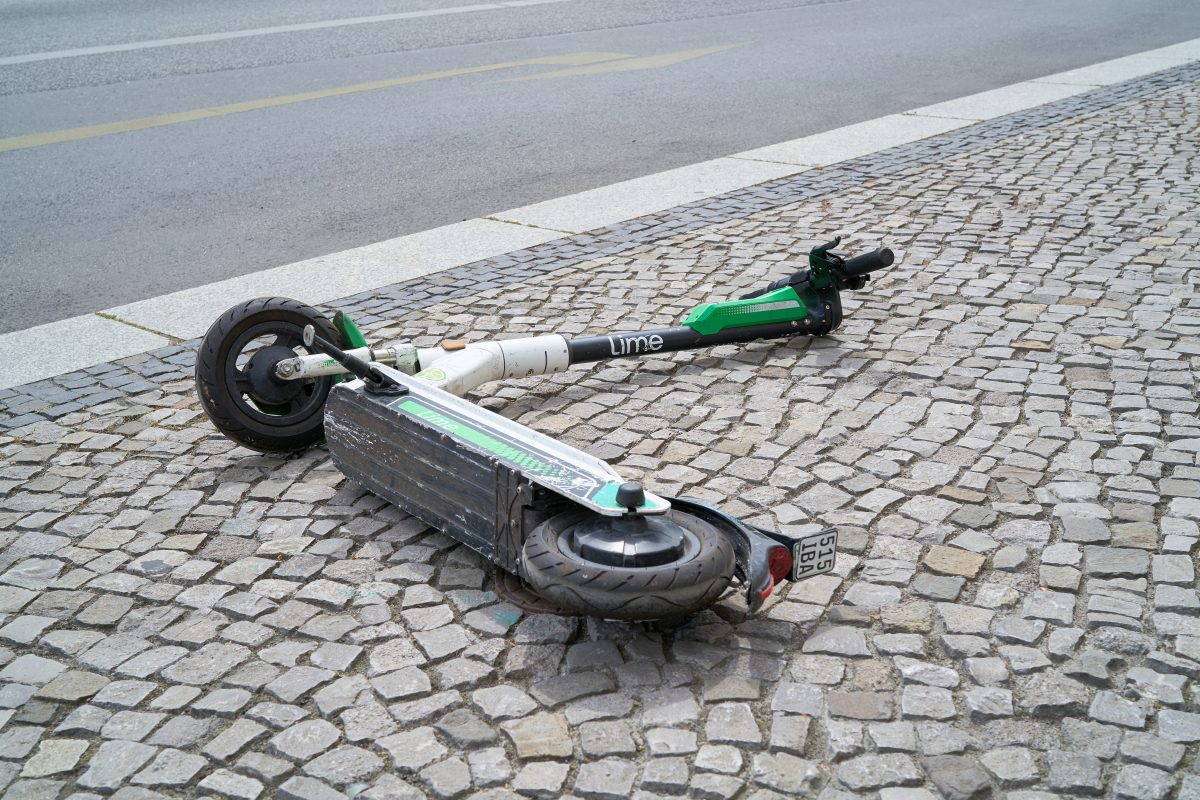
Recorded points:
(415, 466)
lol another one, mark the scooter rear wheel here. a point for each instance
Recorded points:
(235, 375)
(561, 573)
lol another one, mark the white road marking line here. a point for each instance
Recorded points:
(242, 34)
(55, 348)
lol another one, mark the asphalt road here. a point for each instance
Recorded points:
(114, 215)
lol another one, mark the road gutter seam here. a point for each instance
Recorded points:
(114, 318)
(531, 225)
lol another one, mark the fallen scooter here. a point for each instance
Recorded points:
(277, 376)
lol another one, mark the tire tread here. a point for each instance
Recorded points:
(622, 593)
(220, 408)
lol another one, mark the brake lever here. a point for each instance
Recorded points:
(824, 249)
(822, 263)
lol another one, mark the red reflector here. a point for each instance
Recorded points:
(779, 562)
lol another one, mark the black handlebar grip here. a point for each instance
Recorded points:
(869, 262)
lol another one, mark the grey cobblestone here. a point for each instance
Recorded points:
(1004, 430)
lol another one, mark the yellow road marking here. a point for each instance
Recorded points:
(627, 64)
(110, 128)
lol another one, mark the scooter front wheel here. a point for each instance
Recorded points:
(236, 381)
(569, 560)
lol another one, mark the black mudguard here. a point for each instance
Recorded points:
(752, 546)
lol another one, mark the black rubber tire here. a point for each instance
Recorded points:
(233, 415)
(670, 591)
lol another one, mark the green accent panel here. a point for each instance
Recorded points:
(781, 305)
(480, 439)
(607, 496)
(349, 331)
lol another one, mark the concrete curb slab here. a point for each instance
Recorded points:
(626, 200)
(68, 345)
(188, 313)
(998, 102)
(1117, 70)
(854, 141)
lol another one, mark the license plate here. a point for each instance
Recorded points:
(815, 554)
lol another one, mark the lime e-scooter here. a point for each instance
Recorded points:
(276, 375)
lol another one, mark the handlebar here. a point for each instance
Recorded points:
(869, 262)
(830, 269)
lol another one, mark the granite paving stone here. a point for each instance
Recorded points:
(877, 771)
(541, 778)
(229, 742)
(785, 773)
(542, 735)
(31, 669)
(411, 750)
(1074, 772)
(53, 757)
(1151, 750)
(1139, 782)
(447, 779)
(953, 561)
(227, 783)
(956, 777)
(304, 740)
(171, 768)
(73, 686)
(1011, 765)
(489, 767)
(113, 763)
(184, 731)
(343, 765)
(1179, 726)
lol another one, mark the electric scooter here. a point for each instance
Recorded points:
(276, 375)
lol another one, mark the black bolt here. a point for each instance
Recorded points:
(630, 496)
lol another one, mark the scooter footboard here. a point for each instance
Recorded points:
(470, 495)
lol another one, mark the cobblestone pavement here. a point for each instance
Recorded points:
(1004, 430)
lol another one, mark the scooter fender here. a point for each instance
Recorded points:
(752, 548)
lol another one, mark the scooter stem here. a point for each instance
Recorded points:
(375, 380)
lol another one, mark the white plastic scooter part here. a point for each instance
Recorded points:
(462, 370)
(535, 355)
(459, 371)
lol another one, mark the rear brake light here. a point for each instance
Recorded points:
(779, 562)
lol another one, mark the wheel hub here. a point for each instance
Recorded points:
(265, 386)
(627, 541)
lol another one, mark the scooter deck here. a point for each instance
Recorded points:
(585, 479)
(480, 477)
